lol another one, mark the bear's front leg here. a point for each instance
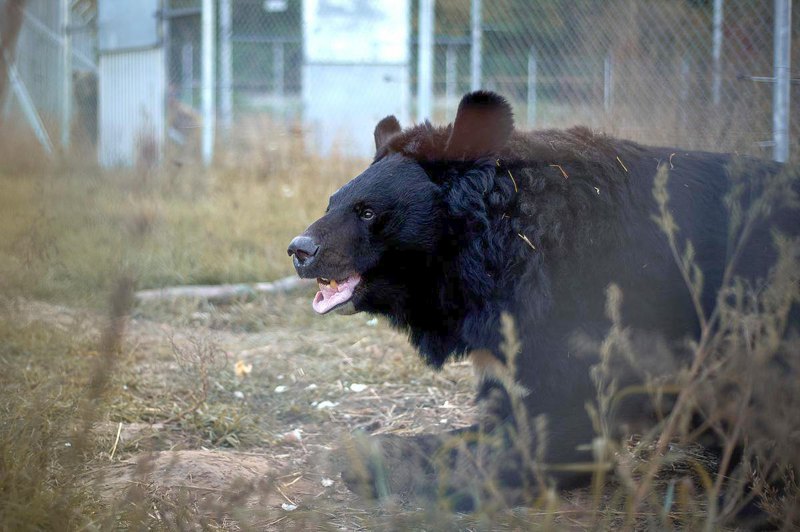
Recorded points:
(460, 470)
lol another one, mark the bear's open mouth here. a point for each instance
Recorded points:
(333, 293)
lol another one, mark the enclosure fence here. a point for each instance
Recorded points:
(701, 74)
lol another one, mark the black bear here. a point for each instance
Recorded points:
(450, 229)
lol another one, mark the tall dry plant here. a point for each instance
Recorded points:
(741, 371)
(724, 447)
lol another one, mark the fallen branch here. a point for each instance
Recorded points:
(223, 292)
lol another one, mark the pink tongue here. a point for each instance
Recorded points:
(328, 297)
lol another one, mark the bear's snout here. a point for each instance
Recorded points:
(303, 249)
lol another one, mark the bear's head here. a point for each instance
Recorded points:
(390, 235)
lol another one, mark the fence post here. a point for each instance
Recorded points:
(66, 80)
(475, 49)
(425, 60)
(608, 82)
(532, 72)
(716, 52)
(225, 65)
(780, 95)
(208, 74)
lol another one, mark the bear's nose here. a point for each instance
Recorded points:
(303, 248)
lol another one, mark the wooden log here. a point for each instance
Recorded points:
(223, 292)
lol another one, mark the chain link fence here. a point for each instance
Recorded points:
(691, 73)
(51, 82)
(650, 70)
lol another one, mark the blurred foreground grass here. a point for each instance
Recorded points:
(42, 377)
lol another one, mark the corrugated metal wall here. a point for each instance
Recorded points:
(132, 106)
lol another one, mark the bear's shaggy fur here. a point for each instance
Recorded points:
(451, 228)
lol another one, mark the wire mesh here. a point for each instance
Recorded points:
(643, 69)
(640, 69)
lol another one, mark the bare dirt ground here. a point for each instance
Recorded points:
(217, 409)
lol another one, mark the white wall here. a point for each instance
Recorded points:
(132, 93)
(355, 71)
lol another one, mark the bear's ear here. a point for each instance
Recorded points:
(386, 129)
(483, 123)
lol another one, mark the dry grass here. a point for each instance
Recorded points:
(159, 424)
(67, 232)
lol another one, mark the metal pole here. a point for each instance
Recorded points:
(532, 71)
(208, 75)
(608, 82)
(780, 96)
(475, 52)
(425, 61)
(451, 75)
(225, 64)
(716, 52)
(66, 79)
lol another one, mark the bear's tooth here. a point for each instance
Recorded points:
(335, 285)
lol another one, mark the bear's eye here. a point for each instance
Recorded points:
(367, 214)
